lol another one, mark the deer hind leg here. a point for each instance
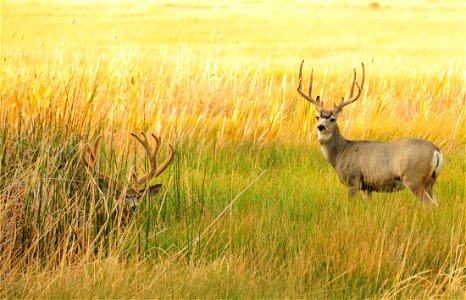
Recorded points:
(428, 188)
(421, 190)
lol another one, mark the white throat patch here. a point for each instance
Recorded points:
(323, 137)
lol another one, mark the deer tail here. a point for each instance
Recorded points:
(437, 162)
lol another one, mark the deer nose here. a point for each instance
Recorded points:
(321, 127)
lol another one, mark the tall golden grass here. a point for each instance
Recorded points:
(219, 81)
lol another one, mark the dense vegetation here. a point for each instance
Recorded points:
(249, 206)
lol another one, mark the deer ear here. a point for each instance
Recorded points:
(154, 189)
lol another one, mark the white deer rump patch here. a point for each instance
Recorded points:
(437, 163)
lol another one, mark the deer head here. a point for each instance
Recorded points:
(326, 119)
(139, 187)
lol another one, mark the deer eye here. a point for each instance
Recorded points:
(332, 120)
(317, 118)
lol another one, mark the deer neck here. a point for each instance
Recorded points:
(333, 147)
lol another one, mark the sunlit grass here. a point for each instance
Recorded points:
(249, 206)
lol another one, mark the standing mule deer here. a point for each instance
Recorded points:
(133, 193)
(374, 166)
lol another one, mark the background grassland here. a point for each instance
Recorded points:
(250, 208)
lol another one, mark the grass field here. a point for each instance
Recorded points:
(249, 207)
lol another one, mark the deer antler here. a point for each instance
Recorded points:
(88, 156)
(308, 97)
(152, 154)
(352, 98)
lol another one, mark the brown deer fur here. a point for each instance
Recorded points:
(371, 166)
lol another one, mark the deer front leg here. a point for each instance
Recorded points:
(354, 185)
(352, 191)
(367, 195)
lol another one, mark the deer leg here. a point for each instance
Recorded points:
(354, 184)
(367, 195)
(352, 191)
(430, 200)
(428, 188)
(420, 191)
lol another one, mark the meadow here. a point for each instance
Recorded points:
(249, 208)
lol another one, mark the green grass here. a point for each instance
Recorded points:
(249, 208)
(293, 233)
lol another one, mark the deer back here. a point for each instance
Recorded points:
(381, 165)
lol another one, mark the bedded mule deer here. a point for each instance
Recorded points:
(374, 166)
(134, 192)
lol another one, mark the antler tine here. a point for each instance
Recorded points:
(167, 162)
(310, 84)
(300, 88)
(344, 102)
(144, 142)
(83, 158)
(151, 154)
(154, 171)
(94, 147)
(300, 77)
(91, 152)
(352, 98)
(352, 85)
(155, 152)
